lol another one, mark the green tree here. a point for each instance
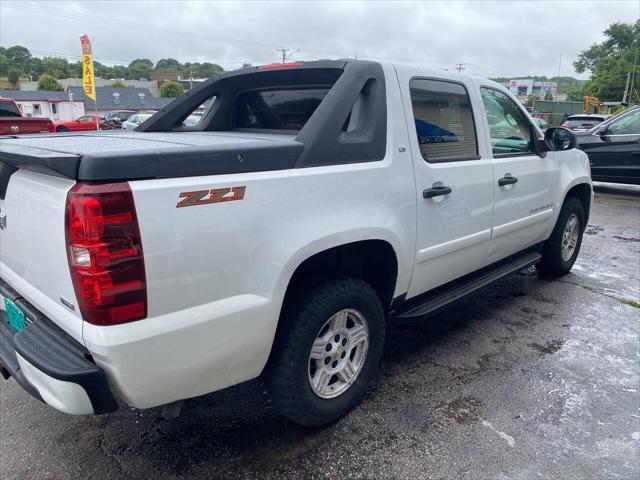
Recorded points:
(119, 71)
(18, 54)
(548, 95)
(14, 76)
(208, 70)
(168, 64)
(530, 100)
(48, 82)
(118, 84)
(56, 67)
(171, 89)
(5, 65)
(139, 68)
(610, 61)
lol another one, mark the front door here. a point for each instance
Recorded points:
(616, 157)
(524, 183)
(454, 183)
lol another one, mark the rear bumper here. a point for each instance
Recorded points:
(49, 364)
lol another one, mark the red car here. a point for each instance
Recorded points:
(88, 122)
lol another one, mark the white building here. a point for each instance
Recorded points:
(525, 87)
(46, 104)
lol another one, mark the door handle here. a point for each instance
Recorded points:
(436, 191)
(507, 181)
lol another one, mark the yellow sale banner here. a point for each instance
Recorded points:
(88, 83)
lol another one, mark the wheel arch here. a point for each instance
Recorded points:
(584, 193)
(374, 261)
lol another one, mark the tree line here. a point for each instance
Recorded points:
(17, 61)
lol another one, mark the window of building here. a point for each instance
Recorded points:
(54, 108)
(444, 121)
(37, 109)
(510, 130)
(522, 90)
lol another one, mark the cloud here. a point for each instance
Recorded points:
(498, 38)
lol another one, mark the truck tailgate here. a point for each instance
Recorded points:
(33, 257)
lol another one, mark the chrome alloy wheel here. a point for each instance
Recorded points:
(570, 237)
(338, 353)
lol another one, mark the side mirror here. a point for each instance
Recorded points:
(558, 139)
(601, 131)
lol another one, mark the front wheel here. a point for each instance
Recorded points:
(561, 249)
(62, 129)
(327, 352)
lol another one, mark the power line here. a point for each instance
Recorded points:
(135, 26)
(119, 23)
(460, 67)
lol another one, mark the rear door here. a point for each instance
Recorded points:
(454, 182)
(523, 182)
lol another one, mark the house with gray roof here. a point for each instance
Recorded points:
(112, 99)
(46, 104)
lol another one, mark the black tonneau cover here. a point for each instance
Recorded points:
(164, 148)
(101, 156)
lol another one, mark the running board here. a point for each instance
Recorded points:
(444, 297)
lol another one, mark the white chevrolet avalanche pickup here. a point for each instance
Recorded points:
(309, 204)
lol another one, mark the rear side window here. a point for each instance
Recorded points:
(277, 109)
(443, 120)
(9, 109)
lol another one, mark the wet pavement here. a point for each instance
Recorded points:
(533, 379)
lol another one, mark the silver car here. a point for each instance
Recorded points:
(135, 120)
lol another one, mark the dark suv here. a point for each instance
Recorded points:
(614, 148)
(115, 118)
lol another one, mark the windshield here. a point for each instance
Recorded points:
(9, 109)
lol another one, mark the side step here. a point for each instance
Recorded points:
(443, 296)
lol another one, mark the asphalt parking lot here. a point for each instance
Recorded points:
(533, 379)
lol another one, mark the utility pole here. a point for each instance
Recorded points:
(460, 66)
(285, 53)
(626, 88)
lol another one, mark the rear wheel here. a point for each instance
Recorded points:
(561, 249)
(62, 129)
(327, 352)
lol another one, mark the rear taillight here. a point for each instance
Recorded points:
(565, 125)
(105, 253)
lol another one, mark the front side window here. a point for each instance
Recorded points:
(626, 125)
(444, 121)
(277, 109)
(510, 130)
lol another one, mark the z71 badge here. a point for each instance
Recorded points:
(216, 195)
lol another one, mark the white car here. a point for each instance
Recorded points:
(134, 121)
(312, 203)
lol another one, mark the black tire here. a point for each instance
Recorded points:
(552, 263)
(286, 377)
(62, 129)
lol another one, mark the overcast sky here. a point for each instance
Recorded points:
(503, 38)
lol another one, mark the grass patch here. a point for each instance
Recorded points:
(633, 303)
